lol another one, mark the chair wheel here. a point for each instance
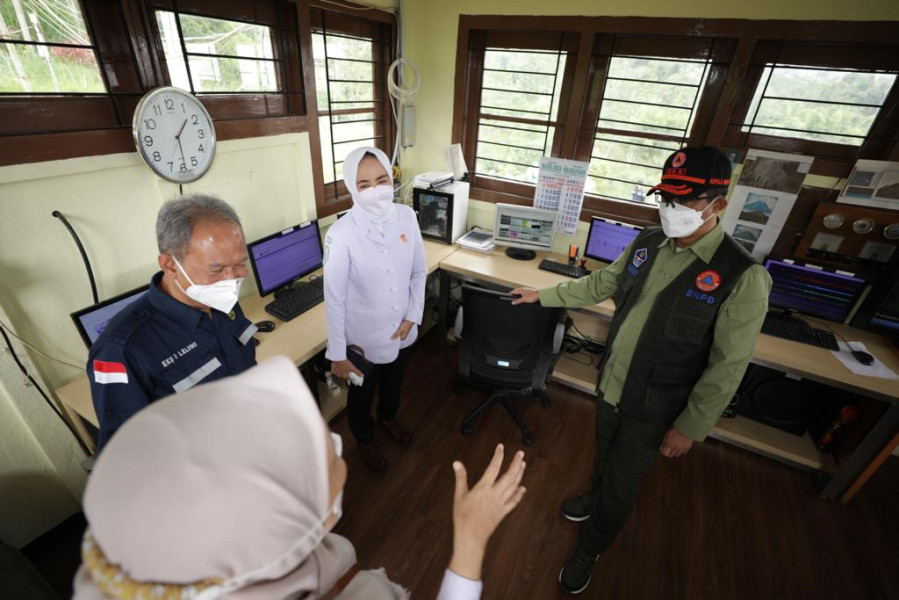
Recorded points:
(467, 429)
(528, 439)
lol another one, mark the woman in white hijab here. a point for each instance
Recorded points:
(375, 274)
(178, 509)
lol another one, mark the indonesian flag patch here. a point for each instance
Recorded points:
(110, 372)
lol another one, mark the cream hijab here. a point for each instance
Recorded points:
(226, 482)
(351, 170)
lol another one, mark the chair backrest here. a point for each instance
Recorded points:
(505, 345)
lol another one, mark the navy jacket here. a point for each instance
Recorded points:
(158, 346)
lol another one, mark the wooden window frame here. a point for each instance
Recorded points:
(720, 104)
(41, 127)
(480, 41)
(831, 157)
(348, 19)
(717, 51)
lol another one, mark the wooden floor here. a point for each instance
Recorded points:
(718, 523)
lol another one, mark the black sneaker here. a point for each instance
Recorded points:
(576, 574)
(578, 508)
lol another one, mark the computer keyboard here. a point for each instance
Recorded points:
(563, 269)
(798, 331)
(294, 302)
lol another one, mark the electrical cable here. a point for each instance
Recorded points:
(402, 94)
(585, 336)
(570, 356)
(407, 92)
(37, 386)
(6, 328)
(87, 263)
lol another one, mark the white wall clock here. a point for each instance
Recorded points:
(174, 134)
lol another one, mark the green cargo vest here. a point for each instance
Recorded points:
(674, 344)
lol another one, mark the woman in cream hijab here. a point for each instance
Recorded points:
(230, 490)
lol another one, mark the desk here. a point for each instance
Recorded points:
(792, 358)
(299, 339)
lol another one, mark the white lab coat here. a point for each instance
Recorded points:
(373, 283)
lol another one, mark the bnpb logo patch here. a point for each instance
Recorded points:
(679, 159)
(708, 281)
(640, 257)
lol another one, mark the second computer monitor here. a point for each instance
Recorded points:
(524, 227)
(91, 321)
(286, 256)
(608, 239)
(812, 290)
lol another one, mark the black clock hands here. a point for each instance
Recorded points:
(178, 139)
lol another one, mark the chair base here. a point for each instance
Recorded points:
(503, 396)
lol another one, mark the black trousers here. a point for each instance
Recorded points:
(389, 378)
(626, 448)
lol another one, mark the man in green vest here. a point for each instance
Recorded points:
(689, 304)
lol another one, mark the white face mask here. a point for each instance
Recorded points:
(221, 295)
(376, 200)
(680, 221)
(303, 547)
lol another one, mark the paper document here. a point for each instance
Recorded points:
(875, 369)
(763, 198)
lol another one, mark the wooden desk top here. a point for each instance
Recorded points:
(500, 269)
(299, 339)
(821, 365)
(792, 357)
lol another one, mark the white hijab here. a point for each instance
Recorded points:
(229, 479)
(350, 171)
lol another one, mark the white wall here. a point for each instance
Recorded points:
(112, 203)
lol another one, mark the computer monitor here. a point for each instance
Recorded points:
(880, 310)
(281, 258)
(886, 316)
(91, 321)
(812, 290)
(524, 227)
(607, 239)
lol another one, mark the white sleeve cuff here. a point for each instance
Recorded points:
(456, 587)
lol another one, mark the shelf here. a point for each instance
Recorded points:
(572, 370)
(771, 442)
(331, 405)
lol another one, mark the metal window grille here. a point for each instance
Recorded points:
(817, 104)
(46, 49)
(518, 112)
(350, 113)
(647, 111)
(208, 55)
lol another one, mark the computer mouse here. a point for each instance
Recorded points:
(863, 357)
(265, 326)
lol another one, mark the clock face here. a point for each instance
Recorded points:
(174, 134)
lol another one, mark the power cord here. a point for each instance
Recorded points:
(5, 328)
(37, 386)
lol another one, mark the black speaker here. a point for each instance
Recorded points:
(783, 402)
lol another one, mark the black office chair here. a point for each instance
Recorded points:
(512, 348)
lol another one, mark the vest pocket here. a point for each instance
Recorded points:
(668, 389)
(685, 327)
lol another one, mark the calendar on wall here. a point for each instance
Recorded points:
(560, 187)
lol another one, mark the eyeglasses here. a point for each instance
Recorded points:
(672, 199)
